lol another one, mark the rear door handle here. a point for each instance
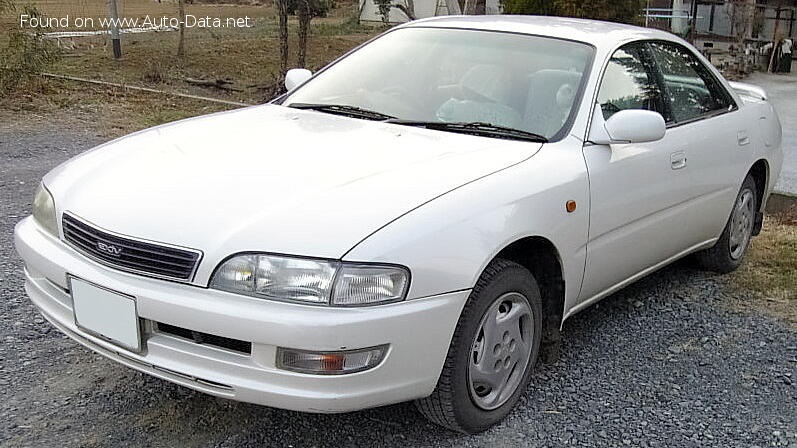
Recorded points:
(678, 160)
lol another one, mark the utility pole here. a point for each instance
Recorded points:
(693, 30)
(113, 12)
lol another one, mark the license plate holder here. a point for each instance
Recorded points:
(107, 314)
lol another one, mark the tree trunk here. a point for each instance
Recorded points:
(304, 27)
(282, 11)
(181, 14)
(481, 7)
(454, 8)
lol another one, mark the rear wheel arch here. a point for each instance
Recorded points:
(760, 173)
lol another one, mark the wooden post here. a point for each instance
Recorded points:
(181, 14)
(770, 67)
(113, 12)
(693, 30)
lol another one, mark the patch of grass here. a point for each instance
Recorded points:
(248, 57)
(770, 268)
(165, 114)
(23, 55)
(109, 112)
(348, 26)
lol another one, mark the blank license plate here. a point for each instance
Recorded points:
(107, 314)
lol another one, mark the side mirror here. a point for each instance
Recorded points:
(296, 77)
(627, 126)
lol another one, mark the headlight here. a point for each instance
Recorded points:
(311, 281)
(44, 210)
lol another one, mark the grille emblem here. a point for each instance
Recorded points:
(109, 249)
(130, 254)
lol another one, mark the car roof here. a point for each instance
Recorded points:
(595, 32)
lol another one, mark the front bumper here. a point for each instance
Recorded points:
(418, 333)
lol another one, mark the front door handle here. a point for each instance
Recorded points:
(678, 160)
(743, 138)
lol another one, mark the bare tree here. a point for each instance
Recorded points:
(741, 17)
(384, 7)
(181, 14)
(282, 12)
(408, 9)
(305, 15)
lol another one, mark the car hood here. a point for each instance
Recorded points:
(272, 179)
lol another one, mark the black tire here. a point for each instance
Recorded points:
(718, 258)
(451, 405)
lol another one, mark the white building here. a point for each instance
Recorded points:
(369, 12)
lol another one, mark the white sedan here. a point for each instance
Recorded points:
(413, 222)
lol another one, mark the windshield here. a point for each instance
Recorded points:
(516, 81)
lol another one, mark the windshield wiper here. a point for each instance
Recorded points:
(475, 128)
(343, 109)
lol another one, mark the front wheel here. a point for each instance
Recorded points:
(492, 353)
(727, 253)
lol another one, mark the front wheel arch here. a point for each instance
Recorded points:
(541, 257)
(452, 404)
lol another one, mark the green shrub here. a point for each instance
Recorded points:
(541, 7)
(624, 11)
(25, 54)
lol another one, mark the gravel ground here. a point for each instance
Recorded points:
(665, 362)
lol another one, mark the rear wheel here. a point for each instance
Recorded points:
(728, 252)
(492, 353)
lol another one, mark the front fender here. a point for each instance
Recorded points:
(449, 241)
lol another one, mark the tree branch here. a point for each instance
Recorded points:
(410, 15)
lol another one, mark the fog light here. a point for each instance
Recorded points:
(330, 363)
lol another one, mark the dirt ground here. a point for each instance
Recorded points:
(246, 59)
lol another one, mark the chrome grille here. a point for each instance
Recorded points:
(128, 254)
